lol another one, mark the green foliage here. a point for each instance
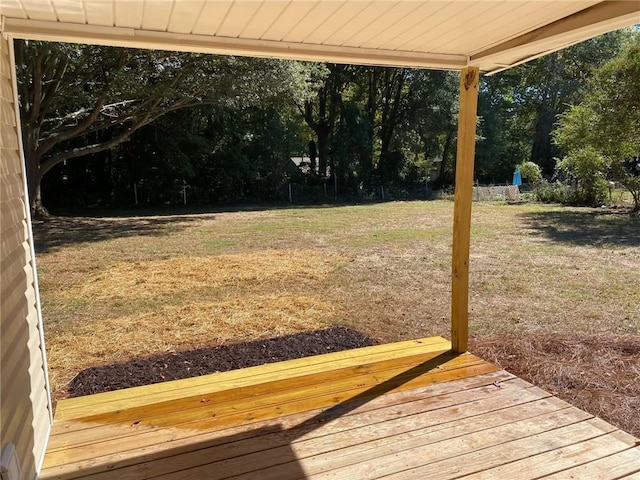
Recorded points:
(519, 107)
(531, 172)
(601, 135)
(82, 100)
(585, 169)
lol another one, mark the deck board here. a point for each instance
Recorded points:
(405, 410)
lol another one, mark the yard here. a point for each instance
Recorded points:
(555, 291)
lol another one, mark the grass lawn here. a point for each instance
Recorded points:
(544, 279)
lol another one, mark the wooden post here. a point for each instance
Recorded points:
(462, 208)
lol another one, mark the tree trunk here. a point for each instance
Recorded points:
(448, 143)
(34, 174)
(323, 133)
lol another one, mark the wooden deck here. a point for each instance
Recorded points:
(405, 410)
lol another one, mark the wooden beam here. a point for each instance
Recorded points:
(462, 208)
(137, 38)
(588, 23)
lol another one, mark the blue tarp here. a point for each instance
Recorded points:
(517, 178)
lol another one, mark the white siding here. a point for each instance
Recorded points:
(25, 418)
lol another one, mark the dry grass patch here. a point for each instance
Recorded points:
(149, 307)
(183, 274)
(598, 373)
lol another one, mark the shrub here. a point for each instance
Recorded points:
(585, 167)
(555, 192)
(558, 192)
(531, 172)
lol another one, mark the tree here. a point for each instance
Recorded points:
(605, 126)
(78, 100)
(320, 110)
(519, 107)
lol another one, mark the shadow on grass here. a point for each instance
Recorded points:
(73, 227)
(63, 231)
(203, 361)
(586, 228)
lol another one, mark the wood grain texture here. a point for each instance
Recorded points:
(462, 208)
(425, 413)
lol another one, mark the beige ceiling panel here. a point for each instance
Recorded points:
(100, 12)
(156, 15)
(129, 14)
(371, 13)
(12, 8)
(263, 19)
(528, 18)
(461, 24)
(185, 15)
(434, 25)
(342, 16)
(39, 10)
(70, 11)
(211, 17)
(473, 24)
(292, 15)
(315, 20)
(421, 14)
(391, 21)
(238, 17)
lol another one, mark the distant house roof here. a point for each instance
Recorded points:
(303, 165)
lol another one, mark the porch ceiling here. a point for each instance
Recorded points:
(489, 34)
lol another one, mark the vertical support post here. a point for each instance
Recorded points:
(462, 208)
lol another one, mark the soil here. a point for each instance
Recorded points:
(193, 363)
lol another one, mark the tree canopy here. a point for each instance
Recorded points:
(79, 100)
(601, 134)
(107, 126)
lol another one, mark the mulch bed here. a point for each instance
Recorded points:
(193, 363)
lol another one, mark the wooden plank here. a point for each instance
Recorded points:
(361, 459)
(364, 444)
(462, 208)
(620, 465)
(462, 462)
(339, 379)
(560, 460)
(148, 394)
(213, 413)
(75, 434)
(426, 406)
(416, 400)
